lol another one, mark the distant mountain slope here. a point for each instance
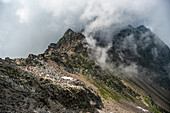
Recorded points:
(144, 59)
(141, 46)
(143, 51)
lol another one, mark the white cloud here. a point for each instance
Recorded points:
(28, 26)
(5, 1)
(23, 14)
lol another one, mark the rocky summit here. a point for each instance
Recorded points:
(68, 78)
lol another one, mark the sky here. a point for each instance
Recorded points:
(29, 26)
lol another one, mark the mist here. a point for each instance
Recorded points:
(29, 26)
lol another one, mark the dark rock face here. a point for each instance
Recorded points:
(142, 47)
(141, 43)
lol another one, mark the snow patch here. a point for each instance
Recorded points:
(120, 56)
(68, 78)
(142, 109)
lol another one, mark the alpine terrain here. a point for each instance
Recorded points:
(130, 73)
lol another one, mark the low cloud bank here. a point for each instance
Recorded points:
(29, 26)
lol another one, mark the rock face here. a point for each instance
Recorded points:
(139, 45)
(65, 78)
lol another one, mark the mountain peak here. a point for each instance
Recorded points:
(69, 32)
(129, 27)
(142, 28)
(71, 41)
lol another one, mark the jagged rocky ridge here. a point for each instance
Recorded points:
(54, 75)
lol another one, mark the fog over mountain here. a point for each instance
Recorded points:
(28, 26)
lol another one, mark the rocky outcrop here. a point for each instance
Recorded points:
(43, 91)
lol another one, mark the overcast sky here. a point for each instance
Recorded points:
(29, 26)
